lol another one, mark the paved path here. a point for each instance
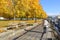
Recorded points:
(34, 34)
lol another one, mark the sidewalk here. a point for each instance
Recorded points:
(49, 34)
(13, 34)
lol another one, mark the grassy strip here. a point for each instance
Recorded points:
(6, 23)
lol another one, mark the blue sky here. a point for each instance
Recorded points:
(52, 7)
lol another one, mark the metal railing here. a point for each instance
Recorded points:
(56, 30)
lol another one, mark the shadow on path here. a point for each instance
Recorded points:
(26, 32)
(33, 31)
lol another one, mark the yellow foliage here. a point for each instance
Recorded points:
(21, 8)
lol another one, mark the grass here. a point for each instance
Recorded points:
(6, 23)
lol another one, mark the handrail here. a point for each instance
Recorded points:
(57, 31)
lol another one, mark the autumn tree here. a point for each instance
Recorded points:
(31, 7)
(21, 8)
(6, 9)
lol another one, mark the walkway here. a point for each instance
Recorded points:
(33, 34)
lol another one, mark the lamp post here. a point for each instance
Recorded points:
(13, 2)
(35, 17)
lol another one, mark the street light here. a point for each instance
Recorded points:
(13, 1)
(35, 17)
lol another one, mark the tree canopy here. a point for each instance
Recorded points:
(21, 8)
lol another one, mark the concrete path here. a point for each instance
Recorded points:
(33, 34)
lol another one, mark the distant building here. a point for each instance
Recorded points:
(2, 18)
(58, 16)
